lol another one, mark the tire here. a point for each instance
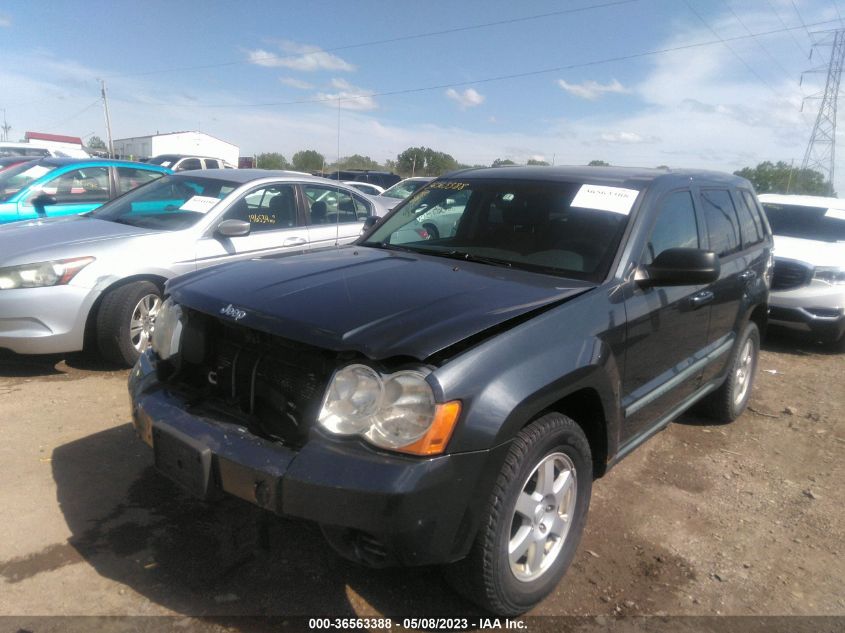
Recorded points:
(728, 402)
(433, 233)
(507, 584)
(122, 312)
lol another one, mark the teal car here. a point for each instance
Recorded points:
(49, 187)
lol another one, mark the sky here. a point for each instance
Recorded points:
(717, 84)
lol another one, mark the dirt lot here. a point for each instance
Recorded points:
(739, 519)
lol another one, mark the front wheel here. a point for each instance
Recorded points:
(533, 520)
(126, 320)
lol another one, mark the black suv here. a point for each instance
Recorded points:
(450, 401)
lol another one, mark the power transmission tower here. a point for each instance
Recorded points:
(821, 151)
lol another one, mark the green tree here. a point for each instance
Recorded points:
(95, 142)
(533, 161)
(424, 161)
(501, 162)
(598, 163)
(356, 161)
(308, 160)
(768, 177)
(271, 160)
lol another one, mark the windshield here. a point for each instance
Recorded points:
(170, 203)
(405, 188)
(13, 179)
(811, 223)
(562, 228)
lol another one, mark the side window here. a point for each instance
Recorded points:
(362, 209)
(211, 163)
(266, 209)
(675, 226)
(756, 213)
(128, 177)
(722, 223)
(89, 184)
(189, 164)
(749, 229)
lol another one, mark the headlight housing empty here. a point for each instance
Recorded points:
(42, 274)
(395, 410)
(167, 330)
(833, 275)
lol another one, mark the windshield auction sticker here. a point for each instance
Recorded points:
(199, 204)
(836, 214)
(613, 199)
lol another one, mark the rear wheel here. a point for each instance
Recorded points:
(533, 521)
(728, 402)
(433, 233)
(126, 320)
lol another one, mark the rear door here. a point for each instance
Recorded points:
(335, 216)
(667, 325)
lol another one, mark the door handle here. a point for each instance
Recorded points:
(701, 299)
(294, 241)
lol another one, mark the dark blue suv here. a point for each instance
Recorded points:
(449, 400)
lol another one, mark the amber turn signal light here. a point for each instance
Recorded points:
(435, 440)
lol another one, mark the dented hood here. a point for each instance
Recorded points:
(377, 302)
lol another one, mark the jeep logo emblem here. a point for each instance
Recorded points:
(232, 311)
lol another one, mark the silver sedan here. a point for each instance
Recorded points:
(98, 278)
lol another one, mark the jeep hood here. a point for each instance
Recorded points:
(379, 303)
(813, 252)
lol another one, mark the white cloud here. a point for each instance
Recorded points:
(5, 21)
(296, 83)
(302, 57)
(628, 138)
(469, 98)
(348, 97)
(592, 90)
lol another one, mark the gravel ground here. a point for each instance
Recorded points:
(742, 519)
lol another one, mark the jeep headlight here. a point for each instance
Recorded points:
(167, 330)
(395, 411)
(42, 274)
(833, 275)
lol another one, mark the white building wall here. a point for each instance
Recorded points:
(193, 143)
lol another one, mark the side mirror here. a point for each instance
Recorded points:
(682, 267)
(233, 228)
(43, 200)
(371, 221)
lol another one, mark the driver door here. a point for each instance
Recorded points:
(276, 226)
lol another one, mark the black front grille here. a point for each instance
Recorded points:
(275, 385)
(789, 274)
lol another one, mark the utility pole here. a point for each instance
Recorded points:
(6, 127)
(108, 118)
(821, 150)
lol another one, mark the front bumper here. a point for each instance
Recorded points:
(386, 508)
(44, 320)
(818, 308)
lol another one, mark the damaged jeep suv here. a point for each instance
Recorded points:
(450, 400)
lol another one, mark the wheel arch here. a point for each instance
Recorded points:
(90, 340)
(585, 408)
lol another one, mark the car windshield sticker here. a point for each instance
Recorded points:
(837, 214)
(199, 204)
(614, 199)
